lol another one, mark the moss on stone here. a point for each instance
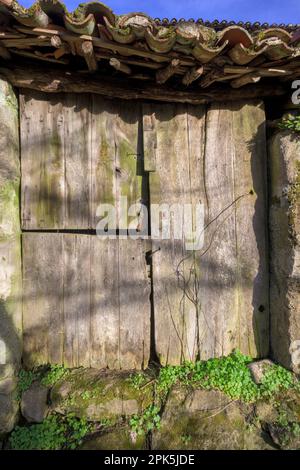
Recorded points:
(293, 196)
(99, 395)
(115, 439)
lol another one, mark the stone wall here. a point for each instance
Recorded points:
(10, 256)
(284, 155)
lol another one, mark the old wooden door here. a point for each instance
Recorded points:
(87, 300)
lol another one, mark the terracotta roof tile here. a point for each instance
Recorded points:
(143, 43)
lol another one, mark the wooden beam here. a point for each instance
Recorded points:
(192, 75)
(118, 65)
(33, 55)
(245, 79)
(56, 41)
(87, 50)
(164, 74)
(4, 53)
(51, 80)
(262, 71)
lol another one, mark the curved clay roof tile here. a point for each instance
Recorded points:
(241, 55)
(139, 22)
(33, 17)
(205, 54)
(235, 35)
(121, 35)
(161, 44)
(98, 9)
(277, 33)
(85, 26)
(275, 49)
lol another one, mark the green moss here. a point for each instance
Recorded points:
(50, 198)
(116, 439)
(9, 210)
(131, 184)
(105, 173)
(99, 396)
(294, 202)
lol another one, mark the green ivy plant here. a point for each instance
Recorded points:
(290, 122)
(137, 380)
(53, 375)
(25, 379)
(54, 433)
(47, 375)
(147, 421)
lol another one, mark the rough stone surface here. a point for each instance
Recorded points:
(8, 413)
(207, 420)
(34, 406)
(99, 395)
(117, 439)
(10, 255)
(284, 220)
(284, 437)
(258, 369)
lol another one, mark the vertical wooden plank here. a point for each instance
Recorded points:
(76, 254)
(105, 309)
(77, 154)
(42, 161)
(149, 137)
(128, 155)
(235, 266)
(43, 298)
(103, 167)
(251, 225)
(219, 264)
(116, 155)
(134, 292)
(175, 312)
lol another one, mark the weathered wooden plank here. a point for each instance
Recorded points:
(218, 265)
(105, 309)
(77, 155)
(76, 300)
(234, 267)
(134, 294)
(149, 137)
(248, 127)
(171, 184)
(116, 157)
(43, 298)
(103, 164)
(42, 161)
(129, 155)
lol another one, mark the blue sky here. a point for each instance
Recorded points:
(277, 11)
